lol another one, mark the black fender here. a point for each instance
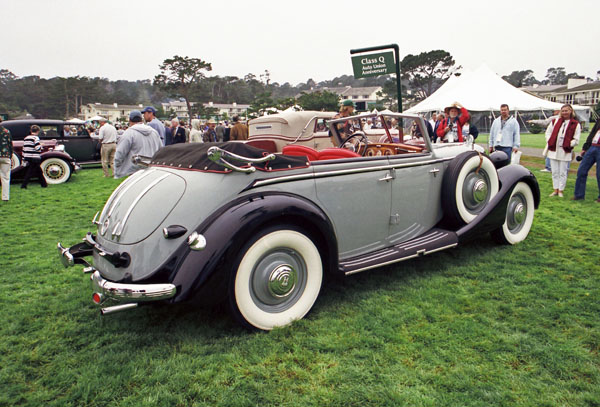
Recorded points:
(228, 228)
(493, 215)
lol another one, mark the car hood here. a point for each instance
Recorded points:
(139, 205)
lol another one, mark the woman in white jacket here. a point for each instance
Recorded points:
(196, 133)
(562, 135)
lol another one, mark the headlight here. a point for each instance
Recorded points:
(59, 147)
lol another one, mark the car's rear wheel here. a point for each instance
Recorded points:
(470, 183)
(14, 161)
(519, 216)
(276, 278)
(56, 170)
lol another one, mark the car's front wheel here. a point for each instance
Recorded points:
(276, 278)
(519, 216)
(470, 183)
(56, 170)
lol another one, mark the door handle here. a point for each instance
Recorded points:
(389, 176)
(434, 171)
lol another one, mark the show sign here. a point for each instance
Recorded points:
(373, 64)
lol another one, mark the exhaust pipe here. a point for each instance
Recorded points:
(117, 308)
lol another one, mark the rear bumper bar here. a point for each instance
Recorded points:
(105, 290)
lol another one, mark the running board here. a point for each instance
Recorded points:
(432, 241)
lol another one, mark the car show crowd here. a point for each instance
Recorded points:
(145, 134)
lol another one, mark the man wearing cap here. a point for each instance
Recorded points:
(149, 113)
(108, 138)
(450, 129)
(210, 135)
(138, 139)
(505, 134)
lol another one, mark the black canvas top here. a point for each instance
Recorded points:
(193, 156)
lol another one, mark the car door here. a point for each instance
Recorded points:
(356, 195)
(82, 148)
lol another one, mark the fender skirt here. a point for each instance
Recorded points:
(237, 222)
(493, 215)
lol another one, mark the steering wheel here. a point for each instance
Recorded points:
(356, 146)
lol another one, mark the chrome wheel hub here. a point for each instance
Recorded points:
(476, 191)
(278, 280)
(282, 280)
(516, 213)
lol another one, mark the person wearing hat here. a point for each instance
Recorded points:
(140, 139)
(345, 128)
(108, 137)
(149, 113)
(450, 129)
(210, 135)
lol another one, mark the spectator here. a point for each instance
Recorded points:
(346, 128)
(450, 129)
(149, 113)
(433, 120)
(138, 139)
(32, 157)
(196, 133)
(177, 132)
(562, 135)
(108, 137)
(505, 134)
(6, 151)
(239, 131)
(220, 130)
(545, 123)
(439, 118)
(210, 134)
(591, 155)
(227, 133)
(168, 135)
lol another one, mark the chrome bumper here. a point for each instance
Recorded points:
(105, 290)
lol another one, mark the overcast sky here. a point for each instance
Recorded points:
(294, 41)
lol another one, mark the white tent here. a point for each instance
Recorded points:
(483, 90)
(75, 121)
(96, 118)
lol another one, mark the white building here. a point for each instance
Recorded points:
(113, 113)
(576, 92)
(229, 109)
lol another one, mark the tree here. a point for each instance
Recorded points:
(428, 70)
(320, 100)
(261, 103)
(521, 78)
(180, 76)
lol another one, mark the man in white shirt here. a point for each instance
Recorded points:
(108, 138)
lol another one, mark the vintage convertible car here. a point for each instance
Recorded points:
(205, 221)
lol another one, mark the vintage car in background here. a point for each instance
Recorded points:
(57, 166)
(228, 220)
(80, 145)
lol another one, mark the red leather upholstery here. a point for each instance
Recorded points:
(268, 145)
(336, 153)
(298, 150)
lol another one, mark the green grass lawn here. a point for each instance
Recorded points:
(533, 140)
(480, 325)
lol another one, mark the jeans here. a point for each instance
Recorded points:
(591, 157)
(507, 150)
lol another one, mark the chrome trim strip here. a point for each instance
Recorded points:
(134, 203)
(117, 195)
(422, 239)
(400, 259)
(312, 175)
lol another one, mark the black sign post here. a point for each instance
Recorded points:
(377, 64)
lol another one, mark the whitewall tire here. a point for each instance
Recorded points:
(56, 170)
(276, 280)
(519, 216)
(470, 183)
(14, 161)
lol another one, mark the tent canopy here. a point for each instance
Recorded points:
(483, 90)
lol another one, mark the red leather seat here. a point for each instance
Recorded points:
(298, 150)
(336, 153)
